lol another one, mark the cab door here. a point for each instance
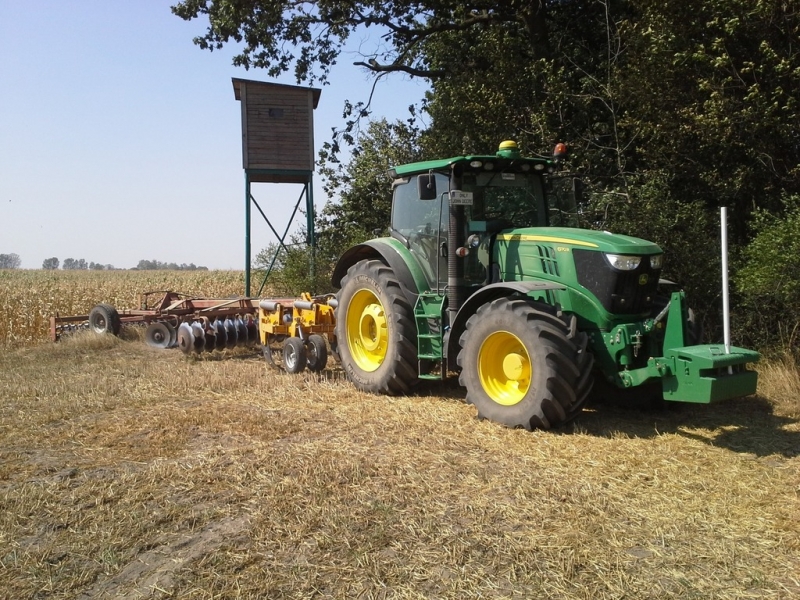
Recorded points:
(422, 225)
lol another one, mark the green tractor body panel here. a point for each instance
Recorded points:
(395, 254)
(446, 163)
(598, 294)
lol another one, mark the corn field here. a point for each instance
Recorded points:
(29, 298)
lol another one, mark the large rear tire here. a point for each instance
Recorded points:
(375, 330)
(523, 365)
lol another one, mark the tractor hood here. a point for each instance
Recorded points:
(602, 241)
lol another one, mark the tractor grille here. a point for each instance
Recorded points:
(620, 292)
(547, 255)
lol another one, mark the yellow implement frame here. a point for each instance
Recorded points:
(304, 318)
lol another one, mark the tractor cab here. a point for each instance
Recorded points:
(459, 204)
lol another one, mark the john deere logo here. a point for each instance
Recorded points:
(643, 279)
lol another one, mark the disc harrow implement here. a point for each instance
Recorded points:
(192, 323)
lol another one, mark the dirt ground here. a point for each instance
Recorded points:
(129, 472)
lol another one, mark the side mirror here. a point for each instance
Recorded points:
(426, 186)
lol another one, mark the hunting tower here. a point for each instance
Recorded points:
(277, 147)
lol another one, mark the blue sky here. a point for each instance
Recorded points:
(120, 140)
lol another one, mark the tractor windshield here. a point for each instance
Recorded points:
(507, 199)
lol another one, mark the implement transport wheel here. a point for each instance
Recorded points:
(294, 355)
(523, 365)
(317, 353)
(104, 318)
(375, 330)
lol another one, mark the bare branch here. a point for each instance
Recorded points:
(376, 67)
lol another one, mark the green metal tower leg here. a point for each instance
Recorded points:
(247, 234)
(312, 242)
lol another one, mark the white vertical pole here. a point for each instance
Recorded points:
(726, 310)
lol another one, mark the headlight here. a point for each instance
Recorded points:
(622, 262)
(656, 261)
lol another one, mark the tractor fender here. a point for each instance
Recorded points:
(392, 252)
(487, 294)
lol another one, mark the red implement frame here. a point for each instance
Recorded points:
(171, 307)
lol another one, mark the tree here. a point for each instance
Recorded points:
(309, 36)
(10, 261)
(363, 185)
(769, 279)
(710, 93)
(50, 263)
(73, 264)
(157, 265)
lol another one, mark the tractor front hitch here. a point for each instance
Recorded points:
(693, 373)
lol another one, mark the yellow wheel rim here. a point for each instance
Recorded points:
(367, 332)
(504, 368)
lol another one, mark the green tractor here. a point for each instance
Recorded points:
(486, 274)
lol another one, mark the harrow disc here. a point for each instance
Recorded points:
(231, 333)
(252, 330)
(221, 336)
(241, 331)
(158, 335)
(199, 337)
(211, 338)
(185, 338)
(173, 335)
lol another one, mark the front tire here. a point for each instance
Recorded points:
(523, 366)
(375, 330)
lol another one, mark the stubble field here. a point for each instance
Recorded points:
(129, 472)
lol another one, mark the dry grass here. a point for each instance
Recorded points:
(129, 472)
(780, 381)
(29, 298)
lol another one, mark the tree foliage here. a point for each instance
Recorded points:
(74, 264)
(363, 186)
(50, 264)
(157, 265)
(10, 261)
(308, 36)
(769, 279)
